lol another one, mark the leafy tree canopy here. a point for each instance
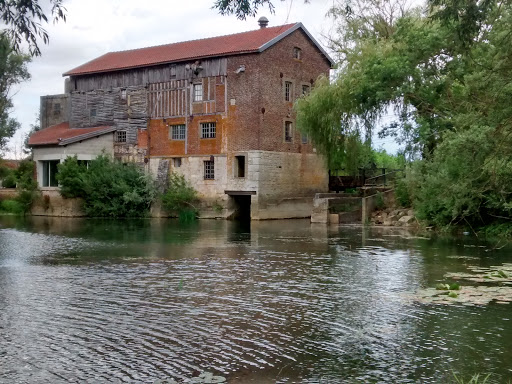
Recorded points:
(445, 70)
(24, 21)
(241, 8)
(13, 71)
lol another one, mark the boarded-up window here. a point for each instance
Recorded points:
(209, 169)
(177, 132)
(208, 130)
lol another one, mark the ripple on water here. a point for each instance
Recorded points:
(300, 311)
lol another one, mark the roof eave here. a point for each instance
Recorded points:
(87, 136)
(70, 73)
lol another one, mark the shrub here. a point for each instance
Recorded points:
(179, 197)
(11, 206)
(9, 181)
(402, 195)
(108, 187)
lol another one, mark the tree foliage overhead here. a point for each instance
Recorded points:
(24, 20)
(446, 71)
(242, 8)
(13, 71)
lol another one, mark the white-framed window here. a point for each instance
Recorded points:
(197, 94)
(209, 169)
(288, 90)
(208, 130)
(121, 136)
(288, 132)
(123, 94)
(177, 132)
(49, 169)
(297, 53)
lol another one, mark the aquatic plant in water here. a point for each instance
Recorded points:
(492, 284)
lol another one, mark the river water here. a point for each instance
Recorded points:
(273, 302)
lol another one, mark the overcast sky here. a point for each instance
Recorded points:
(95, 27)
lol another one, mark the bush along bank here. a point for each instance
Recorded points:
(107, 187)
(23, 180)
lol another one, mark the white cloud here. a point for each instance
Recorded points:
(95, 27)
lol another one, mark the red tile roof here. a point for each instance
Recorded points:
(246, 42)
(55, 134)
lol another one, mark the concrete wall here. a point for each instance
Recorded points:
(369, 204)
(51, 203)
(86, 150)
(284, 183)
(53, 110)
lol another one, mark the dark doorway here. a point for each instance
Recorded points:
(242, 205)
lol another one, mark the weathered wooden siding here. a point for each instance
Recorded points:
(125, 108)
(174, 98)
(145, 76)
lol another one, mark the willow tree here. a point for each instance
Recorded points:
(446, 71)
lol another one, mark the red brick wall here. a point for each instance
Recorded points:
(261, 86)
(256, 119)
(162, 145)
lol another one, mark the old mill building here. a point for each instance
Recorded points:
(218, 110)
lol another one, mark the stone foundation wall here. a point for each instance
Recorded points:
(51, 203)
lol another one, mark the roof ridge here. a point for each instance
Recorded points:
(194, 40)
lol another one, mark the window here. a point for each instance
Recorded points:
(176, 162)
(83, 163)
(297, 53)
(208, 130)
(239, 166)
(209, 169)
(305, 138)
(198, 92)
(93, 112)
(288, 131)
(123, 94)
(288, 90)
(173, 71)
(56, 109)
(120, 136)
(49, 173)
(305, 89)
(177, 132)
